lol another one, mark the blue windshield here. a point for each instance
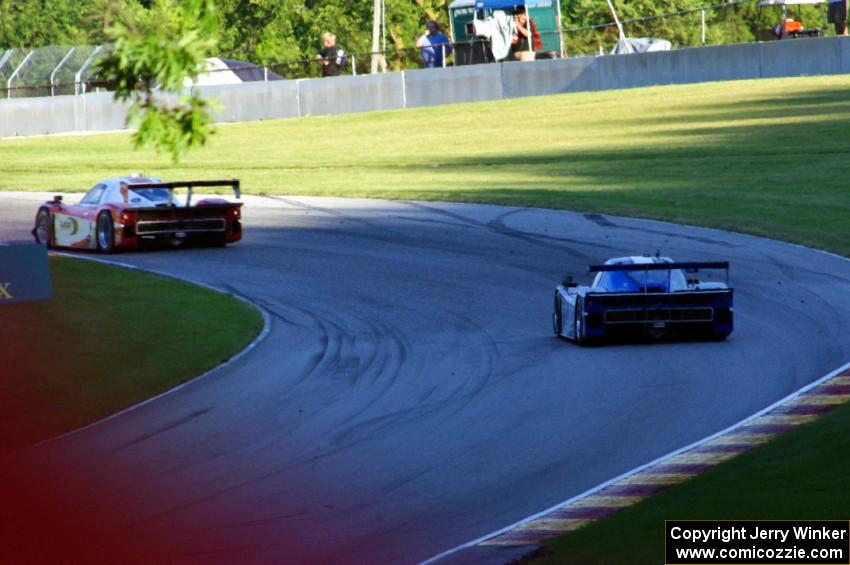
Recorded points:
(640, 281)
(152, 194)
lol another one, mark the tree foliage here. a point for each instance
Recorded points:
(155, 51)
(31, 23)
(275, 31)
(260, 31)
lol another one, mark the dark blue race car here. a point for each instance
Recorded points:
(645, 296)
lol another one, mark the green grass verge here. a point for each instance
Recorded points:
(767, 157)
(801, 475)
(109, 338)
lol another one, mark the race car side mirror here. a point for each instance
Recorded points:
(568, 282)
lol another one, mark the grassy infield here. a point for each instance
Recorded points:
(767, 157)
(109, 338)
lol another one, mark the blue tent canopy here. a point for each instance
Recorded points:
(499, 4)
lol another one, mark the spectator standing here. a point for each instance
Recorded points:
(328, 56)
(837, 15)
(433, 45)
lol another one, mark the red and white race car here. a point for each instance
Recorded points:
(128, 212)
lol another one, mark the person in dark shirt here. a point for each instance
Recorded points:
(328, 56)
(836, 14)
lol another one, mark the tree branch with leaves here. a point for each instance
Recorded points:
(155, 52)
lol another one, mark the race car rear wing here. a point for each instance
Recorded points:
(189, 185)
(685, 266)
(688, 266)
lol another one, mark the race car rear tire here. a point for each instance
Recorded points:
(578, 326)
(105, 233)
(43, 230)
(557, 321)
(218, 240)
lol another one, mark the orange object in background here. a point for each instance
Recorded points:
(787, 27)
(792, 25)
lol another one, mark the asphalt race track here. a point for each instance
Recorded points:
(411, 396)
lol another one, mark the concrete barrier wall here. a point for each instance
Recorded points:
(254, 100)
(542, 77)
(100, 112)
(815, 56)
(32, 116)
(349, 94)
(428, 87)
(60, 114)
(843, 55)
(722, 62)
(472, 83)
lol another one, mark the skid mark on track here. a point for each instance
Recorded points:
(379, 231)
(498, 227)
(165, 428)
(472, 355)
(600, 220)
(606, 222)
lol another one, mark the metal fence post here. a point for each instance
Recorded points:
(5, 57)
(15, 73)
(354, 64)
(443, 49)
(265, 74)
(59, 66)
(79, 75)
(702, 21)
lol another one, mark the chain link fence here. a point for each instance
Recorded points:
(49, 71)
